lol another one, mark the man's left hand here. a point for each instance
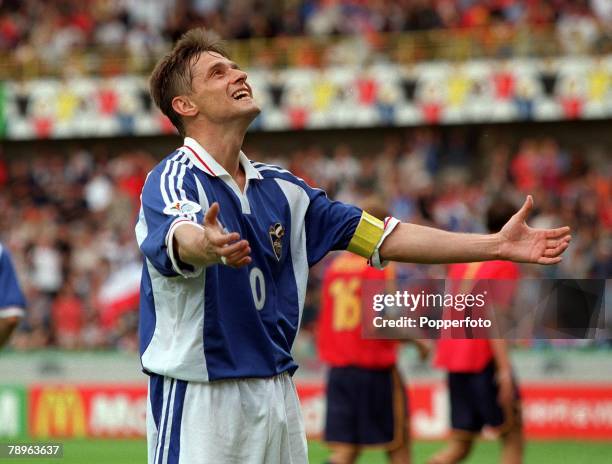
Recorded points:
(524, 244)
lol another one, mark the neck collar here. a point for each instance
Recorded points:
(207, 163)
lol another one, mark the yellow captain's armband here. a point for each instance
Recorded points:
(367, 235)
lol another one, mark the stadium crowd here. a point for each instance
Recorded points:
(68, 218)
(145, 30)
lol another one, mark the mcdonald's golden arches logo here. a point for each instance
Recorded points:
(59, 412)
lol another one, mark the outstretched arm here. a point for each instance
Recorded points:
(515, 242)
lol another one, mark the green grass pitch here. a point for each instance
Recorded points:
(133, 452)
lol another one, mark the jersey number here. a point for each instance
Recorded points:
(258, 287)
(346, 303)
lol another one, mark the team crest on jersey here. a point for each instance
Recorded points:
(276, 232)
(182, 207)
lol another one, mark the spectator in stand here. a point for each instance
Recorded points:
(143, 32)
(577, 28)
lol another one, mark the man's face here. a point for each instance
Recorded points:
(220, 90)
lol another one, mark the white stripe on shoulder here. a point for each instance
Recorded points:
(179, 182)
(187, 160)
(162, 188)
(174, 177)
(202, 196)
(186, 163)
(171, 178)
(170, 164)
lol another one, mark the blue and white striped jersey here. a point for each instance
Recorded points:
(12, 301)
(220, 322)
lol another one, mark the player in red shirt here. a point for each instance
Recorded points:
(483, 393)
(366, 399)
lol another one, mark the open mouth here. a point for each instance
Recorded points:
(241, 94)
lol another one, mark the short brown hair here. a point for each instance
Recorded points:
(172, 75)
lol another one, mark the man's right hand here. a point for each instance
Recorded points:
(223, 247)
(212, 245)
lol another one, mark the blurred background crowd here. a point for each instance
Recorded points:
(72, 23)
(69, 214)
(68, 30)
